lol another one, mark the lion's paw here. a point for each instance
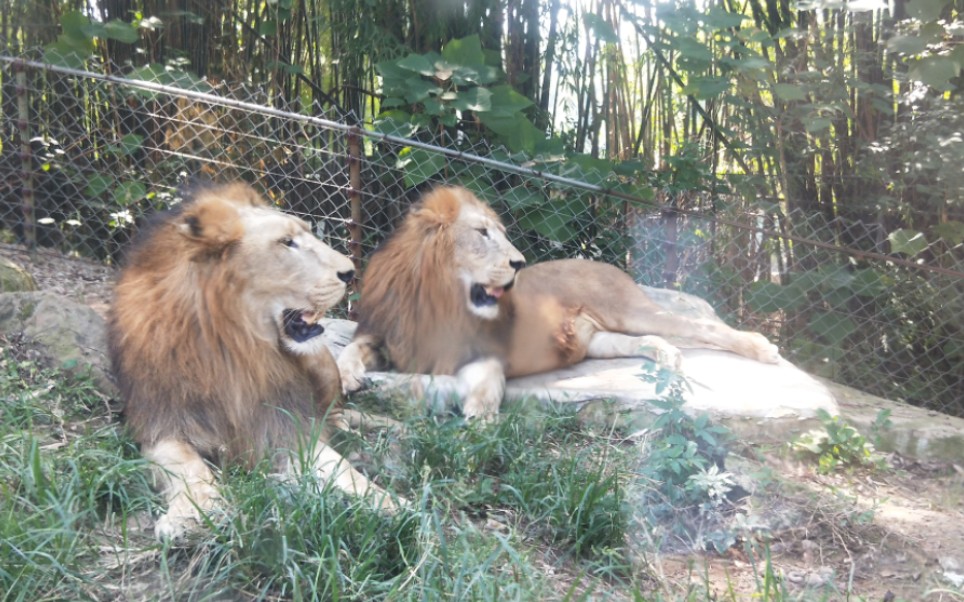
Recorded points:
(761, 349)
(664, 353)
(174, 526)
(352, 372)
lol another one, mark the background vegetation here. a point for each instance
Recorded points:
(798, 164)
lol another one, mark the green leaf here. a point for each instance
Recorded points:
(950, 232)
(522, 198)
(128, 145)
(417, 63)
(816, 124)
(556, 219)
(910, 45)
(506, 102)
(128, 193)
(516, 132)
(719, 18)
(935, 71)
(115, 29)
(419, 165)
(98, 184)
(790, 92)
(926, 10)
(909, 242)
(601, 28)
(706, 87)
(473, 99)
(691, 49)
(832, 327)
(418, 89)
(466, 51)
(767, 297)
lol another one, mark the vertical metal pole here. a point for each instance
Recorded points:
(26, 158)
(354, 199)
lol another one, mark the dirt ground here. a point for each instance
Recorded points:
(877, 535)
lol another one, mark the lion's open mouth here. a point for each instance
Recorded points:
(483, 296)
(301, 325)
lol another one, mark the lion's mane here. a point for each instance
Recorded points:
(191, 358)
(410, 289)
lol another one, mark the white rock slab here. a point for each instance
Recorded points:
(722, 383)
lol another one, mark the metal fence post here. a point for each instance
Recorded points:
(26, 157)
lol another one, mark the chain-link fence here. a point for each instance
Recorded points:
(83, 156)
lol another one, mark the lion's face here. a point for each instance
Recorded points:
(291, 277)
(486, 261)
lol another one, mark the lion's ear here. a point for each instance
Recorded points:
(212, 222)
(442, 205)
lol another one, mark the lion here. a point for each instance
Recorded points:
(447, 293)
(216, 345)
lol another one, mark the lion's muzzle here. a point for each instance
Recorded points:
(298, 328)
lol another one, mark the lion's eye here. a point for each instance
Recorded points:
(484, 232)
(289, 242)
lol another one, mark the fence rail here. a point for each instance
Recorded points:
(84, 155)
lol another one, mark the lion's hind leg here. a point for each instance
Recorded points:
(187, 483)
(609, 345)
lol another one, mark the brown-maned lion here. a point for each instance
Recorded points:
(447, 293)
(217, 350)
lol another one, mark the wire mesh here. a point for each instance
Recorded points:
(84, 157)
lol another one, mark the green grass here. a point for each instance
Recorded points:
(533, 507)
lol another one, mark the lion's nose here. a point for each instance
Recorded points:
(346, 276)
(518, 264)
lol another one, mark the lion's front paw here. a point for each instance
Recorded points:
(665, 354)
(761, 349)
(352, 372)
(172, 527)
(483, 383)
(184, 511)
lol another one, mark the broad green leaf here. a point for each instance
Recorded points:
(555, 223)
(419, 165)
(98, 184)
(522, 198)
(516, 132)
(128, 193)
(603, 30)
(417, 63)
(816, 124)
(926, 10)
(935, 71)
(706, 87)
(868, 282)
(694, 50)
(719, 18)
(506, 102)
(473, 99)
(790, 92)
(909, 45)
(909, 242)
(418, 89)
(128, 145)
(767, 297)
(466, 51)
(952, 233)
(832, 327)
(116, 29)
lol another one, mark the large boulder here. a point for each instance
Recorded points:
(72, 334)
(13, 278)
(722, 383)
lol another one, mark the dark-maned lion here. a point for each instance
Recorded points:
(216, 346)
(448, 294)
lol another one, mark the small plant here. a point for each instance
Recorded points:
(685, 452)
(836, 445)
